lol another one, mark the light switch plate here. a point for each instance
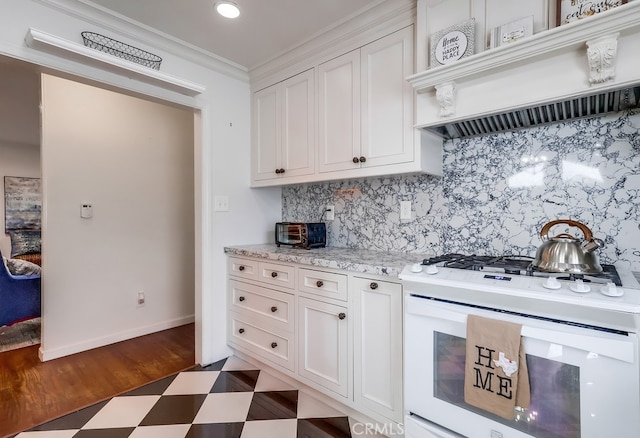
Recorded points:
(221, 203)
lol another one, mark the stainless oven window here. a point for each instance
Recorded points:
(555, 391)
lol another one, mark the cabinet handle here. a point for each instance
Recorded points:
(363, 159)
(373, 286)
(241, 331)
(274, 274)
(240, 298)
(274, 345)
(356, 160)
(319, 283)
(342, 315)
(274, 309)
(240, 268)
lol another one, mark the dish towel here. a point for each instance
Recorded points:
(496, 377)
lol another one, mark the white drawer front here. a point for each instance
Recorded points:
(274, 307)
(324, 284)
(280, 275)
(268, 344)
(243, 268)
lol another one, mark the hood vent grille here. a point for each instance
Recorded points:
(585, 106)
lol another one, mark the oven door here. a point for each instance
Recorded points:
(584, 381)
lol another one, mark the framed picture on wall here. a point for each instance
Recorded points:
(22, 203)
(574, 10)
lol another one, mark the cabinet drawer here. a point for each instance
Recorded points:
(274, 307)
(268, 344)
(243, 268)
(324, 284)
(280, 275)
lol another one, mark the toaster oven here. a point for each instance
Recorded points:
(305, 235)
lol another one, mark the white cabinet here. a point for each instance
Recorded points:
(364, 125)
(283, 129)
(378, 346)
(337, 331)
(323, 344)
(365, 107)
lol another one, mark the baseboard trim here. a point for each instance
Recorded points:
(55, 353)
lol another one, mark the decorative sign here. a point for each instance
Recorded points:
(453, 43)
(511, 32)
(573, 10)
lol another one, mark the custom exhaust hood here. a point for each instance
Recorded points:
(583, 69)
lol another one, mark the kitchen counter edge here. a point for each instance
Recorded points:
(348, 259)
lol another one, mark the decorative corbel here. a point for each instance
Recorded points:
(601, 54)
(446, 96)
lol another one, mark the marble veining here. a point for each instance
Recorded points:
(349, 259)
(496, 193)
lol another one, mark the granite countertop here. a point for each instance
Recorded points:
(357, 260)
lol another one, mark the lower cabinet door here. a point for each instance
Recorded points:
(378, 346)
(323, 344)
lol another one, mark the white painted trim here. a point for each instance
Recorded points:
(112, 338)
(382, 20)
(38, 39)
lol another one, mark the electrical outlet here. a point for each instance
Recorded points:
(405, 209)
(330, 213)
(141, 299)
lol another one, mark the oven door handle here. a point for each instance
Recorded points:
(619, 347)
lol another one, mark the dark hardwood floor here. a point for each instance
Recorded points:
(34, 392)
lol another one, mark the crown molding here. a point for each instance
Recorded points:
(384, 18)
(124, 26)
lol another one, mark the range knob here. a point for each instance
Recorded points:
(551, 283)
(431, 269)
(580, 287)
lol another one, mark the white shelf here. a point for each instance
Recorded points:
(566, 37)
(70, 50)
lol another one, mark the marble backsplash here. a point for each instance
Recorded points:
(496, 193)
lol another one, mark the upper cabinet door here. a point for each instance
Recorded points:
(387, 131)
(299, 121)
(339, 118)
(266, 133)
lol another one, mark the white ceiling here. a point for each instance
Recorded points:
(264, 30)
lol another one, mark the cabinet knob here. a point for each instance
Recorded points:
(356, 160)
(240, 298)
(241, 331)
(240, 268)
(274, 309)
(281, 170)
(363, 159)
(342, 315)
(274, 274)
(373, 285)
(277, 171)
(274, 345)
(319, 283)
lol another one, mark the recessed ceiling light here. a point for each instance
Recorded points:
(227, 9)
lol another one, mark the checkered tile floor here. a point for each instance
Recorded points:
(230, 398)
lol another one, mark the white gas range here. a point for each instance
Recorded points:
(580, 334)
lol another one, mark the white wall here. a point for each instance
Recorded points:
(132, 160)
(19, 130)
(221, 156)
(15, 160)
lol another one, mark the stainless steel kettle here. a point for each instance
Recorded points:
(565, 253)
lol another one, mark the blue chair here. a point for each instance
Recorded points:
(19, 296)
